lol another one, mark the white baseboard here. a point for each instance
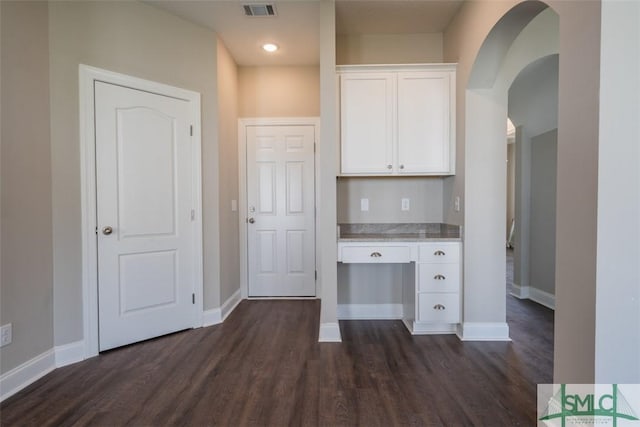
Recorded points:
(535, 295)
(21, 376)
(329, 332)
(216, 316)
(369, 311)
(211, 317)
(230, 304)
(69, 353)
(542, 298)
(520, 292)
(32, 370)
(483, 331)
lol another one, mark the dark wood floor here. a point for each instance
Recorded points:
(263, 366)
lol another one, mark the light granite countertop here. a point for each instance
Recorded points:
(411, 232)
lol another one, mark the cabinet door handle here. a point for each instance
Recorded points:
(376, 254)
(438, 307)
(439, 253)
(439, 277)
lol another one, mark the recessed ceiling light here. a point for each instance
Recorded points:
(270, 47)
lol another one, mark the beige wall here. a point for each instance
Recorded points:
(389, 48)
(26, 290)
(542, 225)
(140, 40)
(228, 172)
(511, 182)
(618, 303)
(576, 221)
(279, 91)
(385, 194)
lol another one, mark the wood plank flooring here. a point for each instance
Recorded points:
(263, 366)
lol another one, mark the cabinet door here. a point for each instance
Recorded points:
(367, 123)
(424, 121)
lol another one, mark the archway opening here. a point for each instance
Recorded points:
(523, 36)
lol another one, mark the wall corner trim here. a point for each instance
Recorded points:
(484, 331)
(329, 332)
(68, 354)
(520, 292)
(215, 316)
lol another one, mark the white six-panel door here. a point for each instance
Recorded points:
(144, 214)
(280, 204)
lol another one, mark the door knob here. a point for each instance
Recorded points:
(251, 220)
(107, 230)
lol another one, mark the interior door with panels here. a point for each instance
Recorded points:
(144, 212)
(281, 210)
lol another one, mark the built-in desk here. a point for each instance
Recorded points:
(431, 289)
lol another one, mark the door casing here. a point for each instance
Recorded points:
(87, 76)
(242, 188)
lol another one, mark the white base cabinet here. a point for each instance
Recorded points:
(433, 303)
(431, 290)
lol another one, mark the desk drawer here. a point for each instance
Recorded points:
(438, 278)
(445, 252)
(376, 254)
(438, 308)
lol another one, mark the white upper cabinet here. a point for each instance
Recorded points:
(397, 120)
(367, 111)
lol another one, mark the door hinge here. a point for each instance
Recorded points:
(96, 230)
(193, 298)
(193, 214)
(316, 274)
(314, 147)
(191, 130)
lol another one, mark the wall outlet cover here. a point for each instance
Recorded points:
(405, 204)
(6, 334)
(364, 205)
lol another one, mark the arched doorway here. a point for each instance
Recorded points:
(519, 38)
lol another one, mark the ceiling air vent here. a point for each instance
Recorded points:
(259, 10)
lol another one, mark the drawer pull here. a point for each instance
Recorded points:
(439, 277)
(376, 254)
(439, 253)
(438, 307)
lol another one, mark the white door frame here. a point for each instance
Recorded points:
(87, 76)
(242, 187)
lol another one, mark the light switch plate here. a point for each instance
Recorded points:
(456, 204)
(405, 204)
(364, 205)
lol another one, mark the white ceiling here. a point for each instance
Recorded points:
(296, 27)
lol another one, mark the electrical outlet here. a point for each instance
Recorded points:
(5, 335)
(364, 205)
(405, 204)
